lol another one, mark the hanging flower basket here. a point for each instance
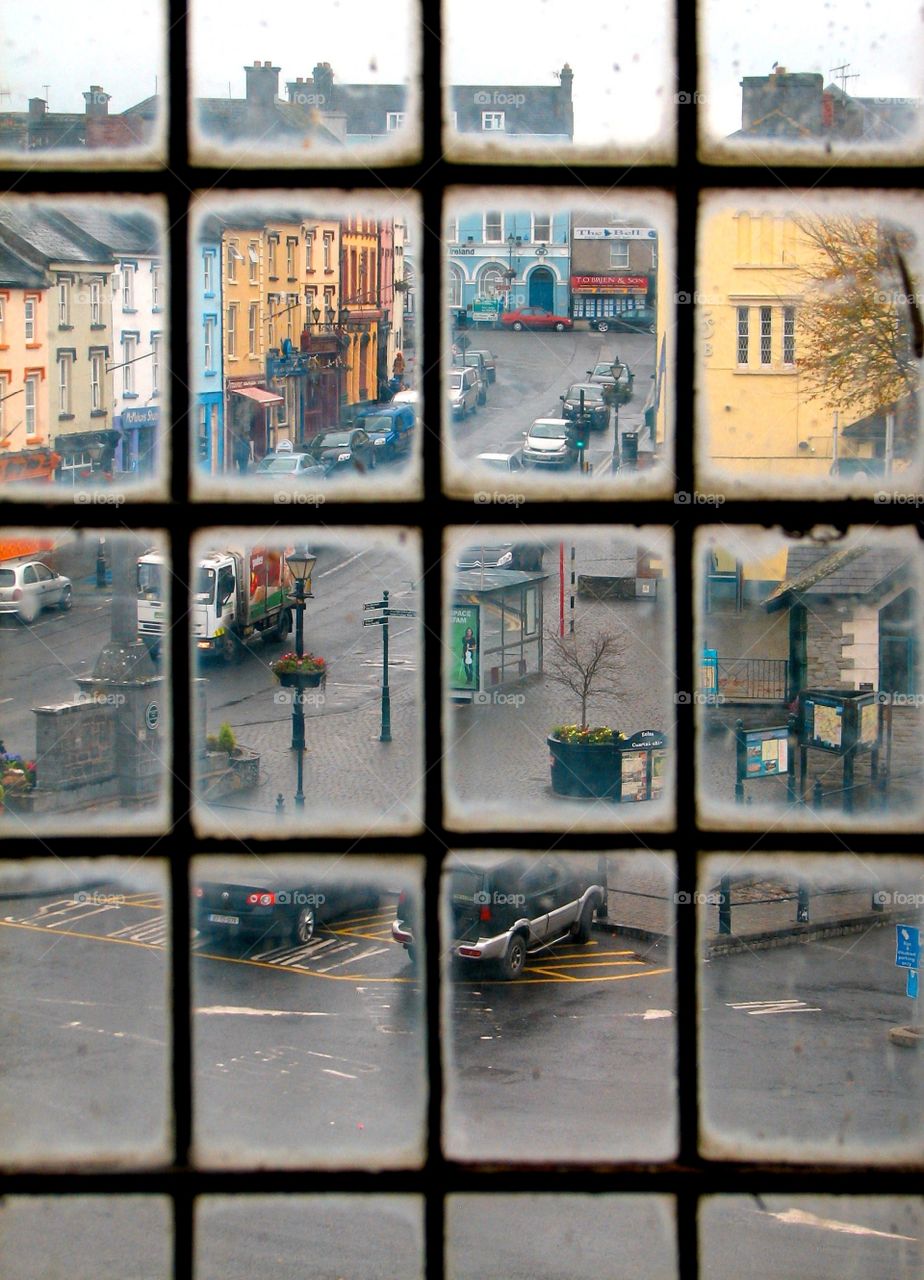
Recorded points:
(306, 672)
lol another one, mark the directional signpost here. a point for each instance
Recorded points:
(908, 955)
(382, 621)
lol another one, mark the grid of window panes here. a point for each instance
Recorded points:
(647, 1187)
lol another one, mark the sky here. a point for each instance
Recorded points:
(620, 55)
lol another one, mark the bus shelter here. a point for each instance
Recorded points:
(495, 626)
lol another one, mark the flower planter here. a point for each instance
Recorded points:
(590, 769)
(300, 679)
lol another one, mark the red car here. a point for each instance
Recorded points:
(535, 318)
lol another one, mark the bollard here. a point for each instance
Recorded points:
(100, 564)
(725, 905)
(280, 805)
(818, 795)
(802, 905)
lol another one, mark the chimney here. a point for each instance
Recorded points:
(37, 108)
(262, 84)
(97, 101)
(793, 95)
(323, 88)
(567, 79)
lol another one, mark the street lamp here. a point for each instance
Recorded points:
(301, 562)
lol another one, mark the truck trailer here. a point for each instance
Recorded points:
(241, 592)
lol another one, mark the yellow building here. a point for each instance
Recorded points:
(753, 404)
(248, 417)
(360, 295)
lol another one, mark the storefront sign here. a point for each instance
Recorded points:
(615, 233)
(147, 417)
(609, 284)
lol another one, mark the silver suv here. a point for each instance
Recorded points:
(462, 387)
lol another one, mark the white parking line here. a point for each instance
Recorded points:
(363, 955)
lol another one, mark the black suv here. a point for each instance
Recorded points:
(596, 404)
(503, 910)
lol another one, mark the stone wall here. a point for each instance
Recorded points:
(75, 745)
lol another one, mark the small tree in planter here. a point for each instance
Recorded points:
(223, 740)
(585, 760)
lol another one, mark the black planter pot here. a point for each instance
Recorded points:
(300, 679)
(590, 769)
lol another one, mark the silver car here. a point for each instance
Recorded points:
(26, 589)
(548, 443)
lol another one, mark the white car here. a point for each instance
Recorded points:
(509, 462)
(26, 589)
(462, 388)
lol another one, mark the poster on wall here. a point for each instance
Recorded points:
(464, 646)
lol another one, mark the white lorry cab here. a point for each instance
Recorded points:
(152, 609)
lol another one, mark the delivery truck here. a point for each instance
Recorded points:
(152, 604)
(238, 593)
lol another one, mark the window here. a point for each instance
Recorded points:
(455, 286)
(233, 255)
(253, 261)
(65, 374)
(272, 248)
(619, 253)
(290, 258)
(766, 335)
(309, 250)
(64, 304)
(252, 325)
(208, 263)
(452, 230)
(494, 227)
(129, 354)
(156, 299)
(394, 120)
(156, 344)
(742, 335)
(208, 345)
(29, 319)
(97, 375)
(4, 392)
(96, 303)
(789, 335)
(31, 392)
(128, 286)
(2, 320)
(492, 121)
(328, 240)
(231, 331)
(542, 227)
(292, 301)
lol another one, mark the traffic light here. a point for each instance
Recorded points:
(577, 433)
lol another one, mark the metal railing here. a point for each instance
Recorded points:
(753, 679)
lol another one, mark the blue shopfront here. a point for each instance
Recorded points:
(498, 261)
(139, 439)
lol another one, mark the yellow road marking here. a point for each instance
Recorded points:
(616, 977)
(72, 933)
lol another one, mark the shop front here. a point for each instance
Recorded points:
(600, 297)
(139, 439)
(251, 422)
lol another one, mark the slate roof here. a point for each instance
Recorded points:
(858, 570)
(121, 232)
(233, 119)
(17, 272)
(53, 239)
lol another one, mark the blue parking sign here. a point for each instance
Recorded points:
(907, 946)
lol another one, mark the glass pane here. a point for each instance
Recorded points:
(297, 719)
(558, 675)
(71, 120)
(303, 347)
(86, 1237)
(85, 333)
(544, 955)
(361, 106)
(560, 324)
(850, 89)
(808, 375)
(568, 83)
(328, 1070)
(86, 720)
(354, 1236)
(808, 670)
(85, 1052)
(526, 1236)
(807, 1049)
(849, 1237)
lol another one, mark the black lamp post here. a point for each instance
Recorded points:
(301, 562)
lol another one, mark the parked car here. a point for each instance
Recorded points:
(295, 909)
(488, 359)
(525, 557)
(474, 360)
(503, 910)
(535, 318)
(28, 588)
(462, 388)
(596, 408)
(346, 448)
(404, 927)
(508, 462)
(548, 443)
(390, 427)
(615, 377)
(297, 466)
(639, 320)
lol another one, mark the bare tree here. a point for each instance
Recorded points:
(584, 663)
(856, 325)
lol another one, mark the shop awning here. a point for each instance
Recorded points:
(258, 394)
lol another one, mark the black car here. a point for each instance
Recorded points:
(526, 557)
(596, 407)
(615, 377)
(345, 448)
(505, 909)
(294, 910)
(490, 364)
(639, 320)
